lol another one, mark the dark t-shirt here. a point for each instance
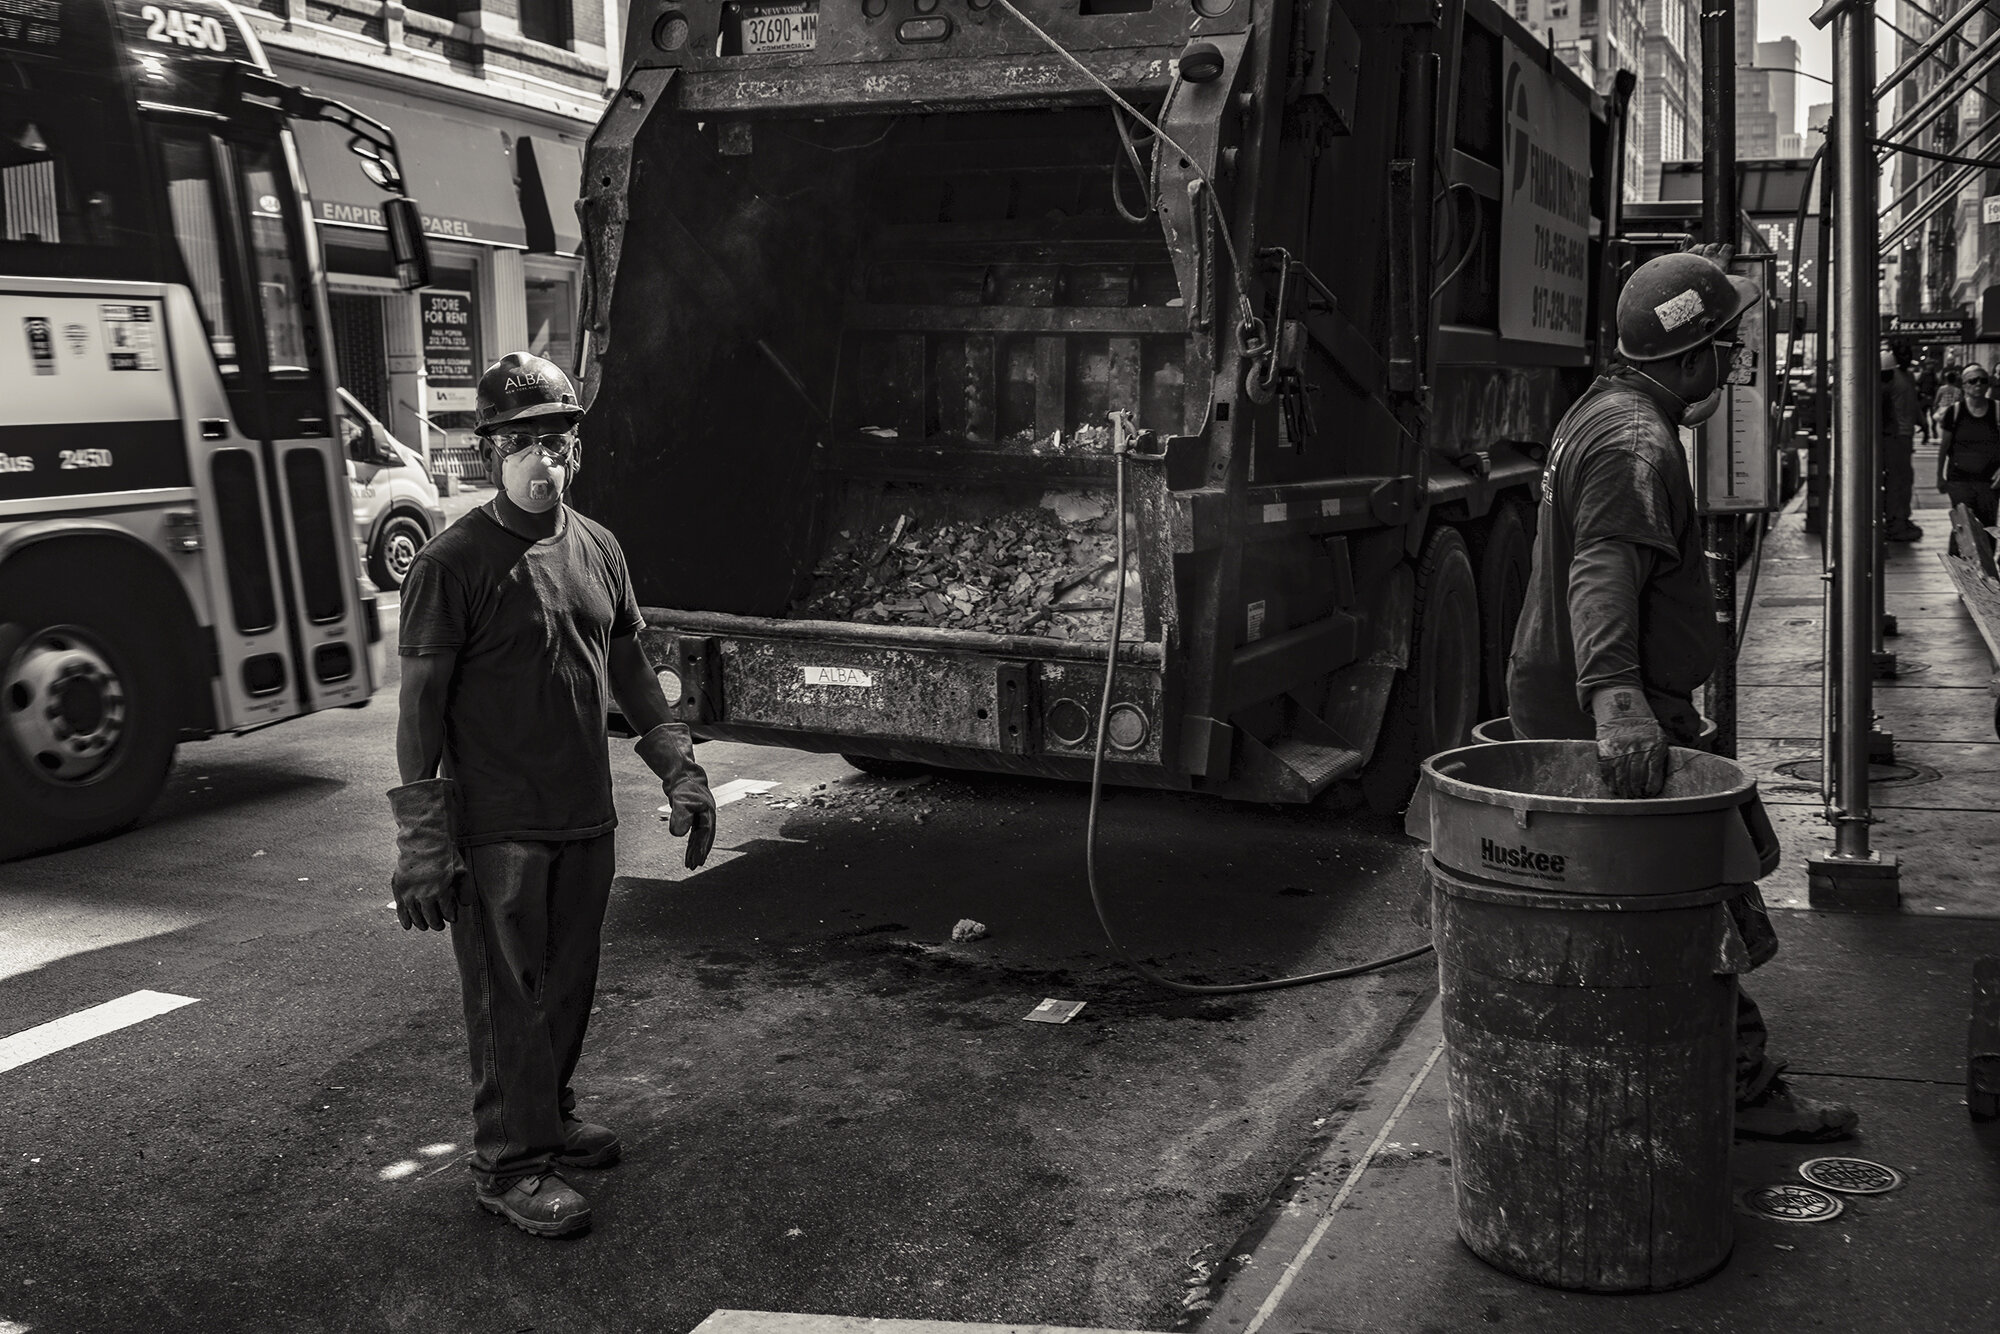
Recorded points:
(532, 624)
(1975, 441)
(1616, 472)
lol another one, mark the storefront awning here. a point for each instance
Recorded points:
(460, 172)
(551, 182)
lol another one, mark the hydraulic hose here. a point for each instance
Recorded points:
(1121, 451)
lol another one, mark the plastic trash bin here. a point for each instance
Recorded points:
(1587, 962)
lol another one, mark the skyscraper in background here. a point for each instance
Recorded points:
(1670, 89)
(1596, 38)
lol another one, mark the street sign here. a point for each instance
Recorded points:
(1943, 326)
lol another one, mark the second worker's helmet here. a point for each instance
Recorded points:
(521, 387)
(1676, 303)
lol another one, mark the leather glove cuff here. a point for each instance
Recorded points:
(668, 751)
(1621, 704)
(427, 825)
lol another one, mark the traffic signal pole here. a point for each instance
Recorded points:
(1721, 533)
(1853, 875)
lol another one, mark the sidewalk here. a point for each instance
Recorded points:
(1867, 1008)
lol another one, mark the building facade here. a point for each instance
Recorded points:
(1597, 38)
(1941, 221)
(491, 102)
(1767, 98)
(1669, 89)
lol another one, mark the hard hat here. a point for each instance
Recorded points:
(1676, 303)
(521, 387)
(1889, 359)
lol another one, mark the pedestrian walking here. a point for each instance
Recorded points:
(1900, 411)
(514, 620)
(1969, 448)
(1927, 392)
(1618, 626)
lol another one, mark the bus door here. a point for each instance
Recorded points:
(289, 633)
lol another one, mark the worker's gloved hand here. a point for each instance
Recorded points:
(668, 751)
(1719, 253)
(1632, 749)
(428, 864)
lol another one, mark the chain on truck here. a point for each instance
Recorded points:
(868, 277)
(175, 549)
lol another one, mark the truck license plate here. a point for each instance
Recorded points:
(789, 27)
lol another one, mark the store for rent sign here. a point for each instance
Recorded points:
(451, 349)
(1545, 213)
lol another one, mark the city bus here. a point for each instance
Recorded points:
(176, 559)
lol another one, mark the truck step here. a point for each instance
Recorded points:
(1315, 765)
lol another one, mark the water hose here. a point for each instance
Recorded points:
(1123, 436)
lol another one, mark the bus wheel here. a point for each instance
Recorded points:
(86, 729)
(392, 551)
(1506, 559)
(1435, 701)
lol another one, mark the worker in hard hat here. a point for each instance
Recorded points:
(514, 619)
(1618, 627)
(1901, 407)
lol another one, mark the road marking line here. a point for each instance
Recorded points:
(1298, 1261)
(31, 1044)
(736, 789)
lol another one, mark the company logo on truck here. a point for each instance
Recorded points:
(1521, 857)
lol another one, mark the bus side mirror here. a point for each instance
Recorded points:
(408, 248)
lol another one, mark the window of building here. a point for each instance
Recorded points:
(437, 9)
(546, 21)
(1558, 9)
(552, 319)
(1521, 10)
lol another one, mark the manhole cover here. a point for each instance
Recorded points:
(1851, 1176)
(1792, 1204)
(1879, 775)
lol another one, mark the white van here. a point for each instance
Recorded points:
(396, 507)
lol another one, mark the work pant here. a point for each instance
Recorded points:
(1898, 478)
(1976, 494)
(527, 944)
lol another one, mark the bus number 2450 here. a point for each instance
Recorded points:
(83, 458)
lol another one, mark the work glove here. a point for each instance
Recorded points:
(1632, 749)
(428, 864)
(668, 751)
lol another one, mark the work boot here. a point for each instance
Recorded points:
(1903, 531)
(1782, 1112)
(587, 1145)
(542, 1204)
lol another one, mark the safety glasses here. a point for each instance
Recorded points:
(510, 443)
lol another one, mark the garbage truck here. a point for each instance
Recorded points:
(889, 302)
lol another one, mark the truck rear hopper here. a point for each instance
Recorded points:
(844, 299)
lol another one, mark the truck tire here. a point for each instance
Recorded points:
(875, 768)
(1506, 558)
(396, 544)
(87, 728)
(1435, 701)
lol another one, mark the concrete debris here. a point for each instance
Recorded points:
(1046, 570)
(967, 929)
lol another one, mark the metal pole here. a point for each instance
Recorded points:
(1719, 226)
(1856, 475)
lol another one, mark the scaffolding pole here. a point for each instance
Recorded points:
(1853, 875)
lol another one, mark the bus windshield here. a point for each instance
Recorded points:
(72, 203)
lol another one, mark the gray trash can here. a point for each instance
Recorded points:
(1587, 962)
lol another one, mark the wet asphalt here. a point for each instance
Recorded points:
(827, 1104)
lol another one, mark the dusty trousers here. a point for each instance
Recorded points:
(527, 934)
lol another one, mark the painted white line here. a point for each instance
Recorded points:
(31, 1044)
(1298, 1261)
(736, 789)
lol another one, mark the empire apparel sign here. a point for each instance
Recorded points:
(1545, 214)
